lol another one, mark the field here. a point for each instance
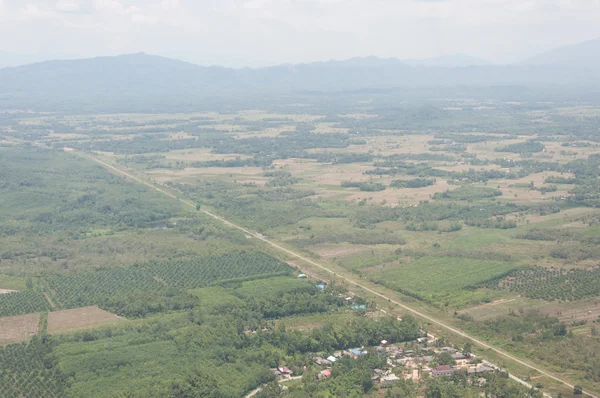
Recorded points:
(79, 319)
(16, 329)
(436, 278)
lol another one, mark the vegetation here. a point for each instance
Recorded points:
(523, 147)
(368, 186)
(414, 183)
(468, 193)
(24, 302)
(210, 308)
(552, 284)
(30, 370)
(92, 287)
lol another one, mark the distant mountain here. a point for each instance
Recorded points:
(8, 59)
(449, 61)
(581, 55)
(148, 82)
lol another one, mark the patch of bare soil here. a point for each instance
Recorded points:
(16, 329)
(79, 318)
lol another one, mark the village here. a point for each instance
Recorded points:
(409, 361)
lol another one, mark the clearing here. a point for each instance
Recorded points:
(16, 329)
(79, 318)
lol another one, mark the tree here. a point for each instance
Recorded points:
(445, 359)
(467, 349)
(197, 206)
(577, 390)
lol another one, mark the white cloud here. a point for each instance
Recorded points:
(31, 10)
(170, 4)
(258, 32)
(67, 6)
(114, 6)
(143, 19)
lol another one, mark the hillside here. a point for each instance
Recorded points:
(148, 82)
(449, 61)
(585, 54)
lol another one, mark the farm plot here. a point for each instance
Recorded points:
(435, 278)
(25, 302)
(552, 283)
(93, 287)
(16, 329)
(79, 318)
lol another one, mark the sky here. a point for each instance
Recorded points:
(255, 33)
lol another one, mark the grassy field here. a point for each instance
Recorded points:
(439, 279)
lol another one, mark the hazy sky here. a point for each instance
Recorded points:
(264, 32)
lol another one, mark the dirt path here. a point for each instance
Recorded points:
(49, 300)
(501, 301)
(348, 280)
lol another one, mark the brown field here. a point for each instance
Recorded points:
(582, 310)
(16, 329)
(79, 318)
(204, 154)
(330, 251)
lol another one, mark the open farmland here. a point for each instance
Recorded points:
(418, 204)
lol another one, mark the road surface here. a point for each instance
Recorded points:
(348, 280)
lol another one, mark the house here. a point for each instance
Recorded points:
(442, 370)
(479, 369)
(356, 351)
(325, 374)
(331, 358)
(459, 356)
(322, 362)
(384, 343)
(284, 371)
(389, 378)
(321, 286)
(302, 276)
(359, 307)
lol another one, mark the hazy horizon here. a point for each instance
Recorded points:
(254, 33)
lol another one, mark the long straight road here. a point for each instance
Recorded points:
(348, 280)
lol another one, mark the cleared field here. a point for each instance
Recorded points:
(79, 318)
(587, 310)
(331, 251)
(16, 329)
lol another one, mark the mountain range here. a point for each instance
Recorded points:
(150, 79)
(581, 54)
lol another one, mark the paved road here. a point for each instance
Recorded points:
(350, 281)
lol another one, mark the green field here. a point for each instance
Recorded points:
(435, 279)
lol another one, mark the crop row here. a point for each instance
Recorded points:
(551, 283)
(24, 302)
(28, 372)
(92, 287)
